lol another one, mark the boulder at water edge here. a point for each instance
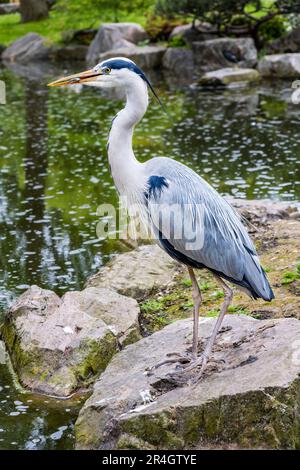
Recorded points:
(113, 36)
(224, 52)
(249, 396)
(229, 77)
(179, 60)
(147, 57)
(29, 48)
(58, 345)
(138, 273)
(280, 65)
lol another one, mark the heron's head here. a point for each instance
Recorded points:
(117, 71)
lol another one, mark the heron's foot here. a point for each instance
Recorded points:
(194, 363)
(172, 358)
(193, 372)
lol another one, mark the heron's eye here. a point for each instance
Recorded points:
(106, 70)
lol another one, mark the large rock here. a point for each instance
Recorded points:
(147, 57)
(229, 77)
(224, 52)
(280, 65)
(179, 59)
(137, 273)
(114, 36)
(27, 49)
(58, 345)
(8, 8)
(249, 398)
(288, 43)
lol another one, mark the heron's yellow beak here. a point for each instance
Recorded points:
(77, 78)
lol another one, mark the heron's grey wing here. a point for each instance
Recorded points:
(197, 226)
(198, 223)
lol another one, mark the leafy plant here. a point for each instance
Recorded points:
(291, 276)
(260, 19)
(177, 41)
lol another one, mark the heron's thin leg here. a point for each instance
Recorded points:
(197, 298)
(203, 359)
(228, 294)
(186, 359)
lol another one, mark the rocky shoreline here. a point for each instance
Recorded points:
(136, 310)
(210, 61)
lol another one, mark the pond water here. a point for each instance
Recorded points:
(54, 174)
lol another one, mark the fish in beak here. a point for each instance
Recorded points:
(77, 78)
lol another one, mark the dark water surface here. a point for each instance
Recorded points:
(54, 174)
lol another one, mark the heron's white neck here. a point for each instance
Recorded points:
(126, 170)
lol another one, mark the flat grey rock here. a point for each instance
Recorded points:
(8, 8)
(179, 60)
(250, 398)
(29, 48)
(213, 54)
(280, 65)
(290, 42)
(58, 345)
(229, 77)
(137, 273)
(146, 57)
(114, 36)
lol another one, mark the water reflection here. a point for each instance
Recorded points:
(32, 422)
(54, 174)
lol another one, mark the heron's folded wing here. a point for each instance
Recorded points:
(200, 225)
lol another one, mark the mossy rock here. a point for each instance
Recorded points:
(249, 399)
(58, 346)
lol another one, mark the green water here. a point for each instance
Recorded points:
(54, 174)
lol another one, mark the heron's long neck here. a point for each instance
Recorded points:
(125, 169)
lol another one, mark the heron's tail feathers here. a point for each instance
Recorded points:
(258, 284)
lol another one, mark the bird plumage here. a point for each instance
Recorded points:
(226, 249)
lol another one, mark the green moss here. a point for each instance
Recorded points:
(33, 365)
(126, 441)
(158, 430)
(186, 282)
(219, 294)
(238, 309)
(94, 357)
(177, 41)
(291, 276)
(205, 286)
(132, 337)
(160, 311)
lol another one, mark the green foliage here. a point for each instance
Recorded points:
(218, 294)
(71, 15)
(273, 28)
(177, 41)
(159, 27)
(205, 286)
(291, 276)
(187, 282)
(261, 19)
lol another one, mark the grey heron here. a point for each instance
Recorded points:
(188, 218)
